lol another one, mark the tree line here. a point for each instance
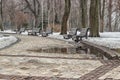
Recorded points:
(99, 15)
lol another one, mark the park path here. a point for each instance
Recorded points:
(17, 62)
(32, 43)
(28, 44)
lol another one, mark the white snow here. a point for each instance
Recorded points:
(112, 43)
(107, 39)
(7, 40)
(8, 31)
(58, 36)
(110, 35)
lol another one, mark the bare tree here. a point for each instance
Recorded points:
(94, 18)
(35, 9)
(11, 11)
(117, 16)
(110, 15)
(65, 16)
(55, 12)
(83, 8)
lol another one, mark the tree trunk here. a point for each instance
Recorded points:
(36, 21)
(35, 9)
(65, 16)
(109, 15)
(35, 14)
(1, 12)
(56, 13)
(94, 18)
(102, 16)
(83, 7)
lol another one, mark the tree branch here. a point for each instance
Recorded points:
(29, 6)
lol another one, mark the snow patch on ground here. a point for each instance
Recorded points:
(6, 41)
(8, 31)
(107, 39)
(112, 43)
(110, 35)
(58, 36)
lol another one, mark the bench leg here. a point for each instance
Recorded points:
(44, 34)
(80, 38)
(20, 32)
(35, 34)
(77, 39)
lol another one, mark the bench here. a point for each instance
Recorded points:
(21, 30)
(34, 31)
(47, 32)
(72, 32)
(83, 33)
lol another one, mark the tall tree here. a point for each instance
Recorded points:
(65, 16)
(110, 15)
(35, 9)
(117, 17)
(11, 11)
(94, 18)
(56, 12)
(83, 7)
(102, 13)
(1, 13)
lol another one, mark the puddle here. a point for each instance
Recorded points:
(89, 53)
(24, 68)
(58, 50)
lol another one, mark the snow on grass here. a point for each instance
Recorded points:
(6, 41)
(112, 43)
(107, 39)
(8, 31)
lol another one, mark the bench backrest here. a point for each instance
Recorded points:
(37, 30)
(84, 31)
(73, 31)
(22, 30)
(49, 30)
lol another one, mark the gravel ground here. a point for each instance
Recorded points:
(14, 60)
